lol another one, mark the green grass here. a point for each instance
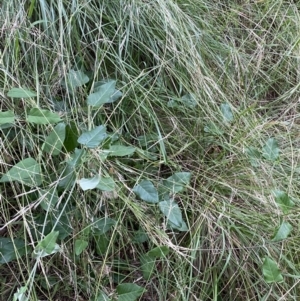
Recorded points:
(208, 88)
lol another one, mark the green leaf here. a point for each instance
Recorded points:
(54, 142)
(106, 184)
(20, 295)
(47, 246)
(68, 176)
(271, 271)
(147, 266)
(94, 137)
(21, 93)
(105, 93)
(283, 232)
(39, 116)
(172, 212)
(283, 201)
(27, 172)
(254, 155)
(102, 297)
(178, 181)
(182, 228)
(129, 291)
(77, 78)
(117, 150)
(102, 244)
(146, 191)
(226, 112)
(72, 135)
(271, 150)
(103, 225)
(88, 184)
(7, 117)
(49, 198)
(159, 252)
(11, 249)
(80, 246)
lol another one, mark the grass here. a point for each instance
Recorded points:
(208, 88)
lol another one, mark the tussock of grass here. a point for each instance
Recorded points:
(235, 52)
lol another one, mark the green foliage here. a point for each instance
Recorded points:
(27, 172)
(271, 150)
(104, 93)
(271, 272)
(97, 163)
(283, 201)
(7, 117)
(146, 191)
(55, 141)
(76, 78)
(129, 291)
(80, 246)
(283, 231)
(117, 150)
(93, 138)
(47, 246)
(40, 116)
(21, 93)
(226, 112)
(10, 249)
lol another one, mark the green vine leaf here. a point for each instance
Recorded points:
(146, 191)
(27, 172)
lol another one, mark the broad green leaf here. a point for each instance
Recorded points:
(147, 266)
(226, 112)
(68, 176)
(129, 291)
(178, 181)
(88, 184)
(27, 172)
(182, 228)
(283, 201)
(254, 155)
(283, 231)
(72, 135)
(94, 137)
(172, 212)
(213, 129)
(103, 225)
(76, 157)
(54, 142)
(105, 93)
(102, 244)
(159, 252)
(106, 184)
(7, 117)
(20, 295)
(271, 150)
(49, 198)
(21, 93)
(39, 116)
(117, 150)
(47, 246)
(187, 100)
(11, 249)
(140, 236)
(102, 297)
(80, 246)
(146, 191)
(271, 271)
(77, 78)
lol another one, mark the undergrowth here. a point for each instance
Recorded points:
(149, 150)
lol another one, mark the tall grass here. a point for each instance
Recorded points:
(240, 53)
